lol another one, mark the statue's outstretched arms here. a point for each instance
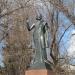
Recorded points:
(28, 27)
(32, 26)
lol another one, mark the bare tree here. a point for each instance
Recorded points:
(17, 55)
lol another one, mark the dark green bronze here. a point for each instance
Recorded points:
(40, 37)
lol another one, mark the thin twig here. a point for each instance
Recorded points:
(64, 34)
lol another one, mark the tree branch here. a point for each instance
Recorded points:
(63, 9)
(64, 34)
(8, 13)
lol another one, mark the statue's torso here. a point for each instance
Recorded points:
(39, 42)
(38, 36)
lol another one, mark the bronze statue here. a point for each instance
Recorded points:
(40, 38)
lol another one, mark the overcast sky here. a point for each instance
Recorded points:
(1, 56)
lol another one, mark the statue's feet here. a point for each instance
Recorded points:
(40, 66)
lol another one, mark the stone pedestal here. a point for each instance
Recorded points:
(39, 72)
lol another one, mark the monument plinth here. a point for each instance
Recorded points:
(39, 72)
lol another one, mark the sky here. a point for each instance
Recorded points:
(1, 56)
(68, 40)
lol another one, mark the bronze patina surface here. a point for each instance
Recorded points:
(40, 39)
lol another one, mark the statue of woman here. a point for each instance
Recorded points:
(40, 38)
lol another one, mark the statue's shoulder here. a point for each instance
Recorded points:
(37, 22)
(44, 22)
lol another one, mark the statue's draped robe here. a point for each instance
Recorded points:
(40, 37)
